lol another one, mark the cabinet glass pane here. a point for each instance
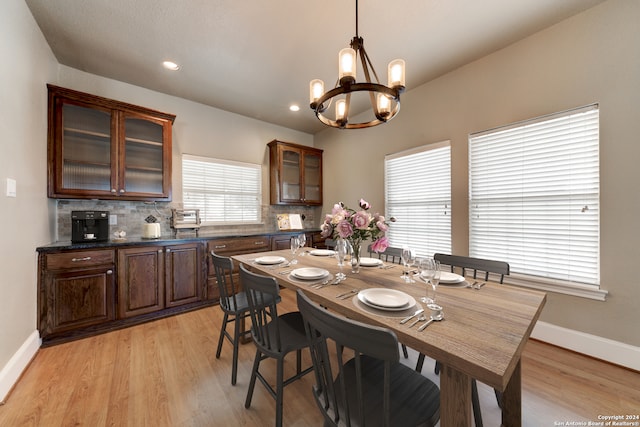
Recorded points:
(86, 155)
(143, 156)
(291, 175)
(312, 176)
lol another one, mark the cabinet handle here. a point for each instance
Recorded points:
(87, 258)
(109, 271)
(168, 250)
(220, 246)
(258, 243)
(159, 251)
(113, 190)
(121, 190)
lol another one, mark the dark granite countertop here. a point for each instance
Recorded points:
(169, 239)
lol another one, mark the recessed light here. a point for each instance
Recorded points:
(294, 107)
(170, 65)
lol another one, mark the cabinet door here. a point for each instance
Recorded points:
(140, 280)
(78, 298)
(83, 155)
(312, 167)
(144, 156)
(290, 175)
(184, 270)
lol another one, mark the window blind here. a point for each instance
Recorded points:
(534, 196)
(418, 195)
(224, 191)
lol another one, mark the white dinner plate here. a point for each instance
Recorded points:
(448, 277)
(411, 302)
(388, 298)
(322, 252)
(270, 260)
(309, 273)
(370, 262)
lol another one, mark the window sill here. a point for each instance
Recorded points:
(558, 286)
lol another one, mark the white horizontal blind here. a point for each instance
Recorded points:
(226, 192)
(418, 195)
(534, 196)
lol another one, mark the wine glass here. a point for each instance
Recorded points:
(407, 258)
(295, 245)
(302, 241)
(427, 273)
(435, 280)
(342, 248)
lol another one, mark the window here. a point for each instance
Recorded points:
(226, 192)
(534, 195)
(418, 195)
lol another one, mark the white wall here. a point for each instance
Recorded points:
(592, 57)
(28, 65)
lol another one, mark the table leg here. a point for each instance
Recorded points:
(512, 400)
(455, 398)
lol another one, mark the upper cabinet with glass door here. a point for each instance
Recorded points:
(296, 174)
(105, 149)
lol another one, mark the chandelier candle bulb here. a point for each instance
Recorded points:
(384, 105)
(316, 90)
(341, 111)
(347, 65)
(396, 73)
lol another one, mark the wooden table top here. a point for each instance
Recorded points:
(482, 336)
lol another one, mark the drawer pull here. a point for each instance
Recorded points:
(220, 246)
(87, 258)
(258, 243)
(109, 271)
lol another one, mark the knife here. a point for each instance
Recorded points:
(406, 319)
(352, 291)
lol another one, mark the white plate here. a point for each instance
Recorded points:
(370, 262)
(309, 273)
(322, 252)
(411, 302)
(448, 277)
(387, 298)
(270, 260)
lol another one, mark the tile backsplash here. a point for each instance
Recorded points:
(131, 216)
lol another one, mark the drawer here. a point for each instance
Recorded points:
(237, 245)
(79, 259)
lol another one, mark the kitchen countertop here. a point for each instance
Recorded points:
(168, 239)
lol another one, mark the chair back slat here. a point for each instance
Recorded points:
(391, 254)
(477, 265)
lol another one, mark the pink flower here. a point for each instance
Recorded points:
(326, 230)
(364, 204)
(380, 245)
(361, 220)
(382, 226)
(344, 229)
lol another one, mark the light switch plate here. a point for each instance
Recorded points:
(11, 187)
(113, 219)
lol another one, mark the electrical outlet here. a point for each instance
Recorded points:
(11, 187)
(113, 219)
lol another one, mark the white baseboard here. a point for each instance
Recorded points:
(11, 372)
(601, 348)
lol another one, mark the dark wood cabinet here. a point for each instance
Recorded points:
(183, 274)
(76, 291)
(295, 174)
(140, 280)
(106, 149)
(283, 241)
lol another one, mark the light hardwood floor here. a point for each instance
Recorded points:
(165, 373)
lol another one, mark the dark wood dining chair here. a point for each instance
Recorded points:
(359, 379)
(330, 243)
(482, 269)
(391, 254)
(274, 336)
(235, 306)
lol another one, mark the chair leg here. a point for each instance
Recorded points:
(420, 363)
(498, 397)
(279, 391)
(436, 370)
(252, 382)
(236, 339)
(404, 351)
(225, 319)
(475, 401)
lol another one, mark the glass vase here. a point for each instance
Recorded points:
(356, 251)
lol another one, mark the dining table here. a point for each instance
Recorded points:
(481, 335)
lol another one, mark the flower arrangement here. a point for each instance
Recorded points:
(356, 226)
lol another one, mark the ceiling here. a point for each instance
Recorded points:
(255, 58)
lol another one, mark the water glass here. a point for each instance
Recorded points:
(427, 273)
(342, 249)
(302, 242)
(435, 280)
(407, 258)
(295, 245)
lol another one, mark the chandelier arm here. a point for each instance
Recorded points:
(364, 58)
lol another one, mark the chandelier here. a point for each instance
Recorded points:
(385, 100)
